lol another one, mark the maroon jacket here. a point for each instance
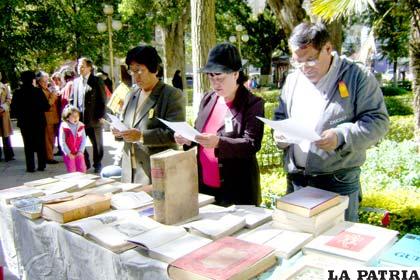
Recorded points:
(239, 172)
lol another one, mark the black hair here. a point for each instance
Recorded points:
(88, 61)
(27, 77)
(146, 55)
(242, 78)
(306, 33)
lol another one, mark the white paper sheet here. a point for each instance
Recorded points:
(183, 128)
(116, 123)
(293, 130)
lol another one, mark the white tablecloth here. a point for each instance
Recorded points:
(44, 250)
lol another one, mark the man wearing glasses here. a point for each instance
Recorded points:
(149, 100)
(342, 102)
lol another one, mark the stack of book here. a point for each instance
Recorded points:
(359, 243)
(310, 210)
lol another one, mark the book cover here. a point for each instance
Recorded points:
(254, 216)
(355, 241)
(85, 206)
(18, 192)
(308, 201)
(130, 200)
(405, 252)
(30, 207)
(175, 185)
(217, 228)
(226, 258)
(40, 182)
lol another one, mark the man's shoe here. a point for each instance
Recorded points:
(58, 153)
(41, 169)
(52, 161)
(30, 170)
(97, 170)
(9, 159)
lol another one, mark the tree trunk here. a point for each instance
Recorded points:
(394, 72)
(415, 69)
(203, 36)
(266, 70)
(174, 47)
(335, 29)
(289, 13)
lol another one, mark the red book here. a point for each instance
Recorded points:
(226, 258)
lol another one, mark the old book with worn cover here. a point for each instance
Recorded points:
(308, 201)
(85, 206)
(405, 252)
(315, 224)
(175, 185)
(18, 192)
(167, 243)
(40, 182)
(30, 207)
(358, 242)
(112, 229)
(226, 258)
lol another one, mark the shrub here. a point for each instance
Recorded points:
(401, 128)
(269, 154)
(391, 166)
(269, 108)
(393, 91)
(270, 96)
(399, 105)
(273, 184)
(403, 207)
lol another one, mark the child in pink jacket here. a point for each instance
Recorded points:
(73, 140)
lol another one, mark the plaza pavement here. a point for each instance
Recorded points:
(13, 173)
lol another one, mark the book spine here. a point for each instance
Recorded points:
(86, 211)
(158, 192)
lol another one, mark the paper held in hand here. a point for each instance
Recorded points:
(183, 128)
(293, 130)
(116, 123)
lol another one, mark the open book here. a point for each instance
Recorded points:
(40, 182)
(131, 200)
(167, 243)
(112, 229)
(287, 243)
(18, 192)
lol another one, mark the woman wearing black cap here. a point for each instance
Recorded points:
(230, 132)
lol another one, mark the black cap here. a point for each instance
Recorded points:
(223, 58)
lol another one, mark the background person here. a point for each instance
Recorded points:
(150, 99)
(342, 102)
(177, 80)
(230, 132)
(29, 105)
(5, 124)
(88, 95)
(73, 140)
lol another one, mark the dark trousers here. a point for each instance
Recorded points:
(96, 138)
(34, 142)
(7, 149)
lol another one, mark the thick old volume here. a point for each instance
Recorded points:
(85, 206)
(175, 185)
(226, 258)
(308, 201)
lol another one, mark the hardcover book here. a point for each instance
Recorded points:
(307, 201)
(226, 258)
(285, 242)
(175, 185)
(354, 241)
(217, 228)
(405, 252)
(254, 216)
(85, 206)
(30, 207)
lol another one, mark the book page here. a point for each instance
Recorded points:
(130, 200)
(116, 123)
(158, 236)
(226, 225)
(182, 128)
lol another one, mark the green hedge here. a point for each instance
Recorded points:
(401, 128)
(393, 91)
(401, 105)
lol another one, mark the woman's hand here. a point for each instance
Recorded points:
(116, 132)
(181, 140)
(207, 140)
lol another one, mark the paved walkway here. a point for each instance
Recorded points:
(13, 173)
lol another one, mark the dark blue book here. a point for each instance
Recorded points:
(405, 252)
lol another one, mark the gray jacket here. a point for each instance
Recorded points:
(360, 120)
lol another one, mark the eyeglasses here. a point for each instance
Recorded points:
(309, 63)
(134, 72)
(217, 77)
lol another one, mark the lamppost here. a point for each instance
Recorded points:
(239, 37)
(110, 25)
